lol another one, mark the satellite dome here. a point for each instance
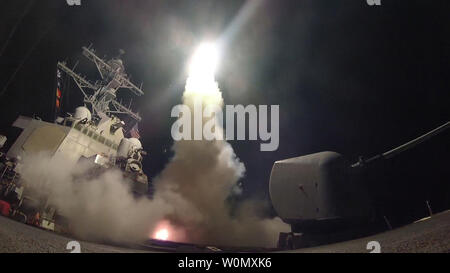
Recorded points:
(82, 112)
(127, 145)
(136, 143)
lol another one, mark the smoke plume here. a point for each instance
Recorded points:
(203, 173)
(190, 199)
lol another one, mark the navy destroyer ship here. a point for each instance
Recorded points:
(94, 132)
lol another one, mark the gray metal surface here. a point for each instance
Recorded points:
(21, 238)
(315, 187)
(427, 235)
(41, 136)
(430, 235)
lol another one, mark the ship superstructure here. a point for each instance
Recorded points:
(94, 132)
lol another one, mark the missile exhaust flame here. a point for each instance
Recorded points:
(162, 234)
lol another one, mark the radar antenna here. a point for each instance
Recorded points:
(101, 95)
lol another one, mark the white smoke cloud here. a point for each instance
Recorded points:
(98, 207)
(189, 200)
(204, 173)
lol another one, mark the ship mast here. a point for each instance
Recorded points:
(100, 96)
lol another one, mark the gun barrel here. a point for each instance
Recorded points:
(408, 145)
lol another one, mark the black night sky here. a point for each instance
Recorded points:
(349, 77)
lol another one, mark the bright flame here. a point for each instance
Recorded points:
(204, 62)
(164, 231)
(162, 234)
(202, 68)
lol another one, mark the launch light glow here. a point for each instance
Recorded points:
(162, 234)
(202, 68)
(204, 61)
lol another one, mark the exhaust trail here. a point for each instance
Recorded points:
(204, 173)
(190, 199)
